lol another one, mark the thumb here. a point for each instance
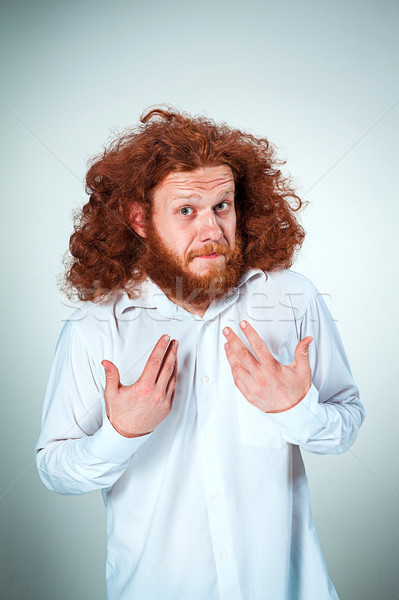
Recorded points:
(112, 379)
(302, 351)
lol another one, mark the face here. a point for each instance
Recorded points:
(192, 239)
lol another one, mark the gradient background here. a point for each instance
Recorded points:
(319, 79)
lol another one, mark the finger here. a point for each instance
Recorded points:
(112, 379)
(302, 352)
(238, 370)
(154, 362)
(257, 344)
(170, 388)
(167, 366)
(240, 350)
(169, 351)
(172, 398)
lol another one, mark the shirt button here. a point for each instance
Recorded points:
(225, 554)
(217, 496)
(210, 437)
(205, 379)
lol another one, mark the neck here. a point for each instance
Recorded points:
(195, 309)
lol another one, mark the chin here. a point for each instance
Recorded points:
(206, 270)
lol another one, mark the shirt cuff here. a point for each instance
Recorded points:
(298, 422)
(110, 446)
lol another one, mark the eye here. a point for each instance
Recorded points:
(221, 204)
(185, 208)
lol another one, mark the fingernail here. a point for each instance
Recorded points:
(226, 331)
(175, 344)
(243, 324)
(166, 338)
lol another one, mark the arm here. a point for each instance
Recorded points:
(78, 450)
(313, 401)
(328, 418)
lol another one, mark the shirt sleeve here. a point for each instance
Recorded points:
(78, 450)
(328, 418)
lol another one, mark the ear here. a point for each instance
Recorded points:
(137, 219)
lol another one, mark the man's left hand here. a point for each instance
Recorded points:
(266, 383)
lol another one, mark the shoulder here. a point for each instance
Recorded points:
(291, 288)
(290, 281)
(92, 323)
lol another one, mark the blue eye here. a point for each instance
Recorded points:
(185, 208)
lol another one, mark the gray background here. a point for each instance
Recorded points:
(319, 79)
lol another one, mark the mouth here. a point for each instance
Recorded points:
(210, 256)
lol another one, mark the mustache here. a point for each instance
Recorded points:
(209, 248)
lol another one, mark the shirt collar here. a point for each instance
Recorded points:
(153, 297)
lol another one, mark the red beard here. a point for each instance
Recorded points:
(173, 277)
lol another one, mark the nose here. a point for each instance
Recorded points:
(209, 228)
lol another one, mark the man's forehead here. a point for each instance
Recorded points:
(202, 178)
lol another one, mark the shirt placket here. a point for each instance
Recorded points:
(210, 449)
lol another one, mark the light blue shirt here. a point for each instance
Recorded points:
(214, 503)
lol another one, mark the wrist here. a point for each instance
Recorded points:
(125, 433)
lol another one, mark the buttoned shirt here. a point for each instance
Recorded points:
(214, 503)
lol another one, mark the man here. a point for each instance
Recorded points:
(199, 366)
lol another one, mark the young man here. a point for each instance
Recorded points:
(196, 443)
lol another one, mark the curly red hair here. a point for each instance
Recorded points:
(105, 251)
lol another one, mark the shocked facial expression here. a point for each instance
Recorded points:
(194, 215)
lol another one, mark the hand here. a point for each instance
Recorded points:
(265, 382)
(137, 409)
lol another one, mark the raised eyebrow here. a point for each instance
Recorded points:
(227, 191)
(178, 197)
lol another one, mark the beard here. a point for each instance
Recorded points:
(173, 276)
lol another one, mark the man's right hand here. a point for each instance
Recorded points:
(135, 410)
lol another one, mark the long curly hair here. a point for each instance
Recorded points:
(105, 252)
